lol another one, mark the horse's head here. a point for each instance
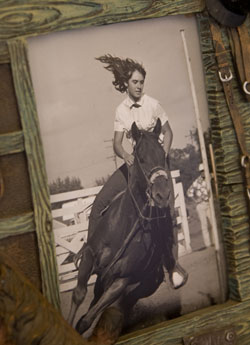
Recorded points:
(150, 163)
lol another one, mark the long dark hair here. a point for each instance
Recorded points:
(122, 70)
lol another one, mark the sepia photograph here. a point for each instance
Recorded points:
(123, 117)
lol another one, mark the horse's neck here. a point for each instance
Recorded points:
(137, 189)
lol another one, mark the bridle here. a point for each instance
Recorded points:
(150, 179)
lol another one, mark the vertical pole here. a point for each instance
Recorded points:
(202, 141)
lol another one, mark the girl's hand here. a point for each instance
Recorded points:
(128, 158)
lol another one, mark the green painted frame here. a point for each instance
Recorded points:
(19, 20)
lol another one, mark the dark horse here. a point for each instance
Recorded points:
(126, 247)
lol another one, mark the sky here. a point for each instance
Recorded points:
(76, 100)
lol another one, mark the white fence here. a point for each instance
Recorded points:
(70, 227)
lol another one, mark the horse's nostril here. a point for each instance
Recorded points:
(158, 196)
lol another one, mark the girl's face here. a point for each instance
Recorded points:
(135, 86)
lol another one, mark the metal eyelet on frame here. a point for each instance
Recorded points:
(222, 337)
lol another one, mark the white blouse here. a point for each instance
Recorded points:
(145, 116)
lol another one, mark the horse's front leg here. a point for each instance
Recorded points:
(109, 297)
(85, 270)
(108, 327)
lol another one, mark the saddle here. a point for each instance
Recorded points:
(117, 196)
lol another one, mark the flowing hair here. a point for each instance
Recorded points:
(122, 70)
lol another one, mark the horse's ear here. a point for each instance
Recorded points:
(157, 129)
(135, 132)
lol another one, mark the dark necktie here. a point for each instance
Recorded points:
(135, 105)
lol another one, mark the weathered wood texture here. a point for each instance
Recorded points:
(29, 318)
(204, 321)
(9, 116)
(233, 205)
(11, 143)
(17, 225)
(16, 199)
(4, 52)
(36, 166)
(23, 250)
(33, 17)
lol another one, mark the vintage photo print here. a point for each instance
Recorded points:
(124, 124)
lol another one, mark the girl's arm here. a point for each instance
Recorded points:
(168, 137)
(167, 141)
(119, 150)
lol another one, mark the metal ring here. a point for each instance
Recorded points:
(226, 78)
(244, 161)
(245, 87)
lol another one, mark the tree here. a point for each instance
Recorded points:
(102, 180)
(65, 185)
(186, 160)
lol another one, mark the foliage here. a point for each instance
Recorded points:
(65, 185)
(102, 180)
(187, 160)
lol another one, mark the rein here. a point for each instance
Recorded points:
(153, 174)
(144, 207)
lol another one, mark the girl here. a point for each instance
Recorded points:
(129, 77)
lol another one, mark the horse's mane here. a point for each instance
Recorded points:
(147, 134)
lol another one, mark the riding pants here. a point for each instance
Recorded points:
(116, 183)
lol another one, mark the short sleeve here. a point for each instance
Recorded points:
(160, 112)
(118, 123)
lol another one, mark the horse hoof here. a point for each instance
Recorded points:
(109, 327)
(82, 325)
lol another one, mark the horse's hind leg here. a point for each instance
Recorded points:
(85, 270)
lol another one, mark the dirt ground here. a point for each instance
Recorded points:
(202, 288)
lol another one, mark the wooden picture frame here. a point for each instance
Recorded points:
(30, 18)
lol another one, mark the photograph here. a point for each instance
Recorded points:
(124, 124)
